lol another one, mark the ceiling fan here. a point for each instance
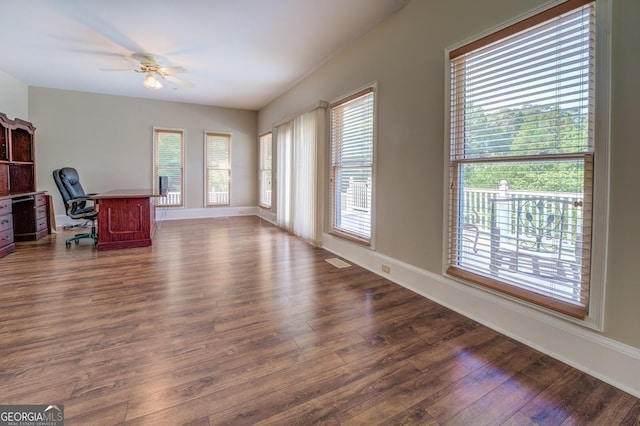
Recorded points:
(155, 72)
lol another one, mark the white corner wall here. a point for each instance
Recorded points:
(14, 97)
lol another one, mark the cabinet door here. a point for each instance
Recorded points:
(21, 178)
(21, 165)
(4, 179)
(21, 146)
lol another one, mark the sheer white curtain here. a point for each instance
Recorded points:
(300, 145)
(284, 155)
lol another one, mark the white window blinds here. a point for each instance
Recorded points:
(218, 168)
(352, 137)
(168, 160)
(521, 159)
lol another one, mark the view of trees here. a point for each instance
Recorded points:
(529, 130)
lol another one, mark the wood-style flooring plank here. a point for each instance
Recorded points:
(233, 321)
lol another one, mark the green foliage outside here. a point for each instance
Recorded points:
(529, 130)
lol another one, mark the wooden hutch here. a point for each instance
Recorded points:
(23, 210)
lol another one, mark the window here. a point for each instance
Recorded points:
(168, 160)
(521, 164)
(352, 136)
(265, 170)
(218, 168)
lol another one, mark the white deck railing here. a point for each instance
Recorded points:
(357, 198)
(213, 198)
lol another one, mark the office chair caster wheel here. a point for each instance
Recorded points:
(68, 244)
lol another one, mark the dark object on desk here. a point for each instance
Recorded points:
(163, 185)
(78, 204)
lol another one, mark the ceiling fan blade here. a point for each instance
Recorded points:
(172, 70)
(117, 69)
(144, 57)
(178, 80)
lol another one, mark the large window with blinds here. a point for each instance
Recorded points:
(217, 159)
(351, 180)
(521, 158)
(168, 161)
(265, 170)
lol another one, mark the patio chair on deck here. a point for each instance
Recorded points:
(532, 235)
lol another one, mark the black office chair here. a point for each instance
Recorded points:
(77, 203)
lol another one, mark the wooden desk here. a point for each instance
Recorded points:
(126, 218)
(23, 217)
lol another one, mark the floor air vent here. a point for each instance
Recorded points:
(338, 263)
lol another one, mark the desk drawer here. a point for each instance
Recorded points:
(41, 199)
(41, 223)
(6, 237)
(6, 222)
(5, 206)
(41, 212)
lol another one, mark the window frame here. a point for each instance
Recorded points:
(161, 201)
(334, 229)
(600, 210)
(264, 167)
(208, 169)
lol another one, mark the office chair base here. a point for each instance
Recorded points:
(76, 238)
(85, 224)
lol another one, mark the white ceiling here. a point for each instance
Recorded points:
(237, 53)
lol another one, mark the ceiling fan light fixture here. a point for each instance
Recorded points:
(151, 82)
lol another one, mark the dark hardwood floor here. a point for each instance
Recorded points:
(233, 321)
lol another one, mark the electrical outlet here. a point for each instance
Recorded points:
(386, 268)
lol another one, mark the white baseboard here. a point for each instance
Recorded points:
(267, 215)
(585, 349)
(168, 213)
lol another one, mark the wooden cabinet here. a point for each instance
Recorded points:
(23, 210)
(17, 160)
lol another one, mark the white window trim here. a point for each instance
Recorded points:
(372, 241)
(260, 169)
(204, 161)
(595, 317)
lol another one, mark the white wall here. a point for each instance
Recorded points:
(13, 97)
(109, 140)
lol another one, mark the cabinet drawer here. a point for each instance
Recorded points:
(41, 224)
(41, 212)
(6, 237)
(5, 206)
(41, 199)
(6, 222)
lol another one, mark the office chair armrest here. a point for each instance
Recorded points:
(77, 200)
(72, 204)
